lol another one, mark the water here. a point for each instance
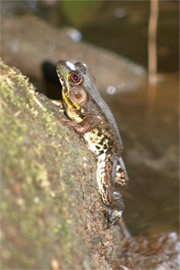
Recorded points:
(148, 121)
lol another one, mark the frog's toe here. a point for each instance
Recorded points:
(115, 216)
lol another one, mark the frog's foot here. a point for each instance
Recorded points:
(121, 177)
(116, 207)
(116, 211)
(115, 218)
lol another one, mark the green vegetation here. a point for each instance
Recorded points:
(80, 12)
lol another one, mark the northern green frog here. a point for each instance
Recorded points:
(91, 117)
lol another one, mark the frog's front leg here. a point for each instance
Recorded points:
(89, 122)
(78, 127)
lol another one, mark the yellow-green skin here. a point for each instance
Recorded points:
(93, 119)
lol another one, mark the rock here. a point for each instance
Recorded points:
(50, 206)
(28, 42)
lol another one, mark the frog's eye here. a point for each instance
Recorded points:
(78, 95)
(75, 78)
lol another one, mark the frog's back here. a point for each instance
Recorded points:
(105, 110)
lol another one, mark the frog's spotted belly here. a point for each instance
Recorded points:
(102, 146)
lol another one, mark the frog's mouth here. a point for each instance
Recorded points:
(65, 88)
(63, 74)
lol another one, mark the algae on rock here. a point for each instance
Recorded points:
(51, 212)
(44, 209)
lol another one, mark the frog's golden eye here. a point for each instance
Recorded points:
(75, 78)
(78, 95)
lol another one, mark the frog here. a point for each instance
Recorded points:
(90, 116)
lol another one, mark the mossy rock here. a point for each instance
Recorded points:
(50, 207)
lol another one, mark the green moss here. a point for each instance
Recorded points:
(28, 147)
(41, 179)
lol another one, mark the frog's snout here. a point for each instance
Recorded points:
(63, 64)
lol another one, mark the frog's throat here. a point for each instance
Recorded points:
(73, 110)
(70, 102)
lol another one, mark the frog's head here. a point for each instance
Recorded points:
(72, 78)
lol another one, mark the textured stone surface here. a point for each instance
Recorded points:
(28, 42)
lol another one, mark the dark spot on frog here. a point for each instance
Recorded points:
(100, 142)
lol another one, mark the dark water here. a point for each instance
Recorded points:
(148, 121)
(123, 28)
